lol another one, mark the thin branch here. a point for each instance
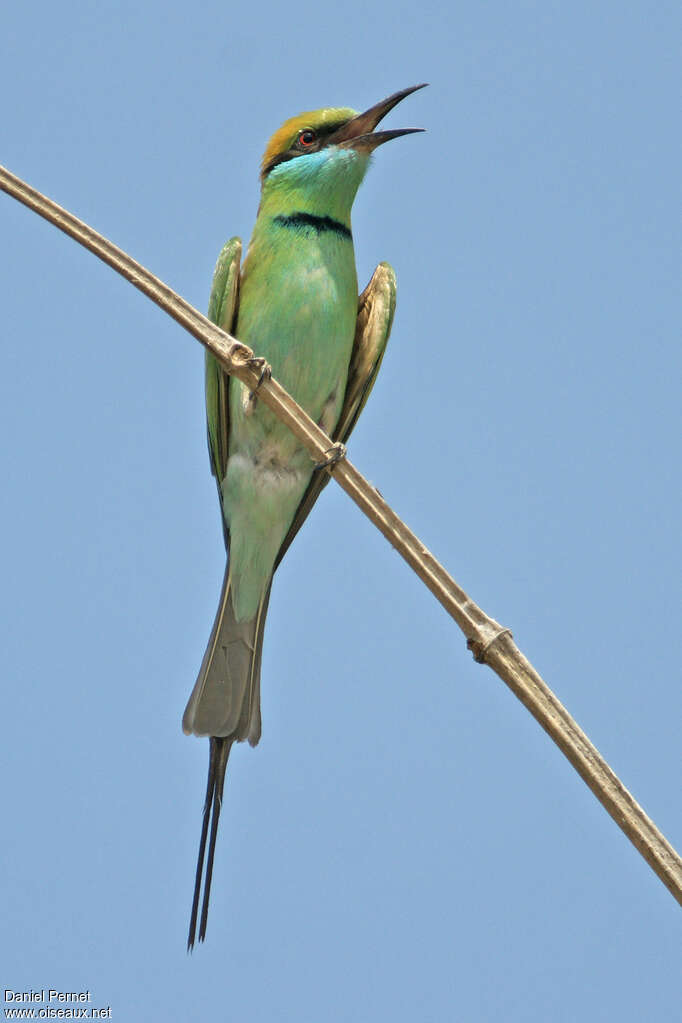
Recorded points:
(490, 643)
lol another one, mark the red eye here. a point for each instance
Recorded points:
(306, 138)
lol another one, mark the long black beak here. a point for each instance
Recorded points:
(358, 133)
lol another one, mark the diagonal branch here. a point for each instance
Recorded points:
(490, 643)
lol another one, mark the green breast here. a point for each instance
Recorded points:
(297, 308)
(298, 305)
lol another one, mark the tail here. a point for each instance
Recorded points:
(225, 701)
(225, 705)
(217, 765)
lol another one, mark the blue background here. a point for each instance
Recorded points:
(406, 843)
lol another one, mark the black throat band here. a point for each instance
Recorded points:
(308, 221)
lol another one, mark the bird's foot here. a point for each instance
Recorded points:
(257, 362)
(334, 454)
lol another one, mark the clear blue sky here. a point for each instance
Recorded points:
(405, 844)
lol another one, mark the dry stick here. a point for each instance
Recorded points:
(491, 644)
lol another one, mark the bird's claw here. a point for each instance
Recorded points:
(257, 362)
(334, 454)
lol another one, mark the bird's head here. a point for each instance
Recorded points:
(321, 156)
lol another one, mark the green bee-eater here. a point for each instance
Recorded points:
(296, 304)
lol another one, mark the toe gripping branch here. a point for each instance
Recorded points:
(257, 362)
(334, 454)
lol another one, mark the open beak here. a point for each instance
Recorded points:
(358, 133)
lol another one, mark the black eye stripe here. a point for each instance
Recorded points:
(296, 149)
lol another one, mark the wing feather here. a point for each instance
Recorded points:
(222, 309)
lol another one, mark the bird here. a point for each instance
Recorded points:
(295, 303)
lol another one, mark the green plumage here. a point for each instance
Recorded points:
(295, 304)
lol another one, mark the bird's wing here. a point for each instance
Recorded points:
(376, 307)
(222, 310)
